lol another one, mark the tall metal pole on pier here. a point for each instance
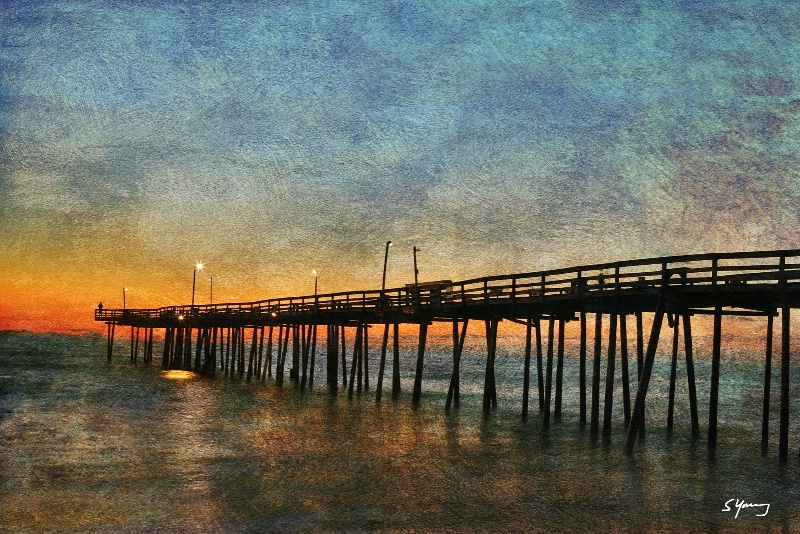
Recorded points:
(385, 260)
(124, 291)
(416, 271)
(197, 267)
(211, 291)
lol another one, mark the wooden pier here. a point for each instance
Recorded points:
(213, 338)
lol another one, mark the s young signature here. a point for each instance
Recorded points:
(739, 504)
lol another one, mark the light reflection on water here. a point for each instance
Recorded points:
(177, 374)
(88, 446)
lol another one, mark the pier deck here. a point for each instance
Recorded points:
(761, 283)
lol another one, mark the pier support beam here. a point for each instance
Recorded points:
(423, 335)
(598, 348)
(489, 383)
(382, 364)
(626, 391)
(344, 359)
(396, 362)
(612, 357)
(767, 385)
(687, 341)
(637, 417)
(454, 391)
(539, 369)
(559, 371)
(110, 341)
(548, 387)
(783, 443)
(355, 365)
(714, 396)
(332, 358)
(582, 371)
(268, 370)
(294, 373)
(313, 356)
(526, 376)
(673, 372)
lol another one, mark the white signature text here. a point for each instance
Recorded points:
(739, 504)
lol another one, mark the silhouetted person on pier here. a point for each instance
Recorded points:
(100, 307)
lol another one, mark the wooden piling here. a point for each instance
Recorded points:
(177, 356)
(313, 356)
(365, 356)
(548, 386)
(559, 371)
(714, 396)
(355, 365)
(187, 350)
(526, 378)
(259, 365)
(305, 336)
(198, 350)
(767, 385)
(582, 371)
(639, 364)
(382, 364)
(332, 364)
(234, 348)
(251, 361)
(144, 344)
(539, 370)
(423, 335)
(132, 346)
(213, 362)
(489, 387)
(626, 391)
(783, 439)
(136, 346)
(224, 349)
(344, 359)
(673, 374)
(598, 347)
(454, 391)
(637, 417)
(294, 373)
(610, 369)
(358, 356)
(396, 362)
(204, 342)
(168, 333)
(110, 341)
(284, 351)
(268, 372)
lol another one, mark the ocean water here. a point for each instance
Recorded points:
(89, 446)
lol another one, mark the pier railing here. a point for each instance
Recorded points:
(773, 268)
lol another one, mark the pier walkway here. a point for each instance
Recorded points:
(761, 283)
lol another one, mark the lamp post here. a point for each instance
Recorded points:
(211, 292)
(124, 291)
(316, 278)
(197, 267)
(416, 271)
(385, 259)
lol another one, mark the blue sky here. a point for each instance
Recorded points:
(271, 138)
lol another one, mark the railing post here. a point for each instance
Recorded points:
(514, 291)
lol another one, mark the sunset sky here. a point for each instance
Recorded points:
(267, 139)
